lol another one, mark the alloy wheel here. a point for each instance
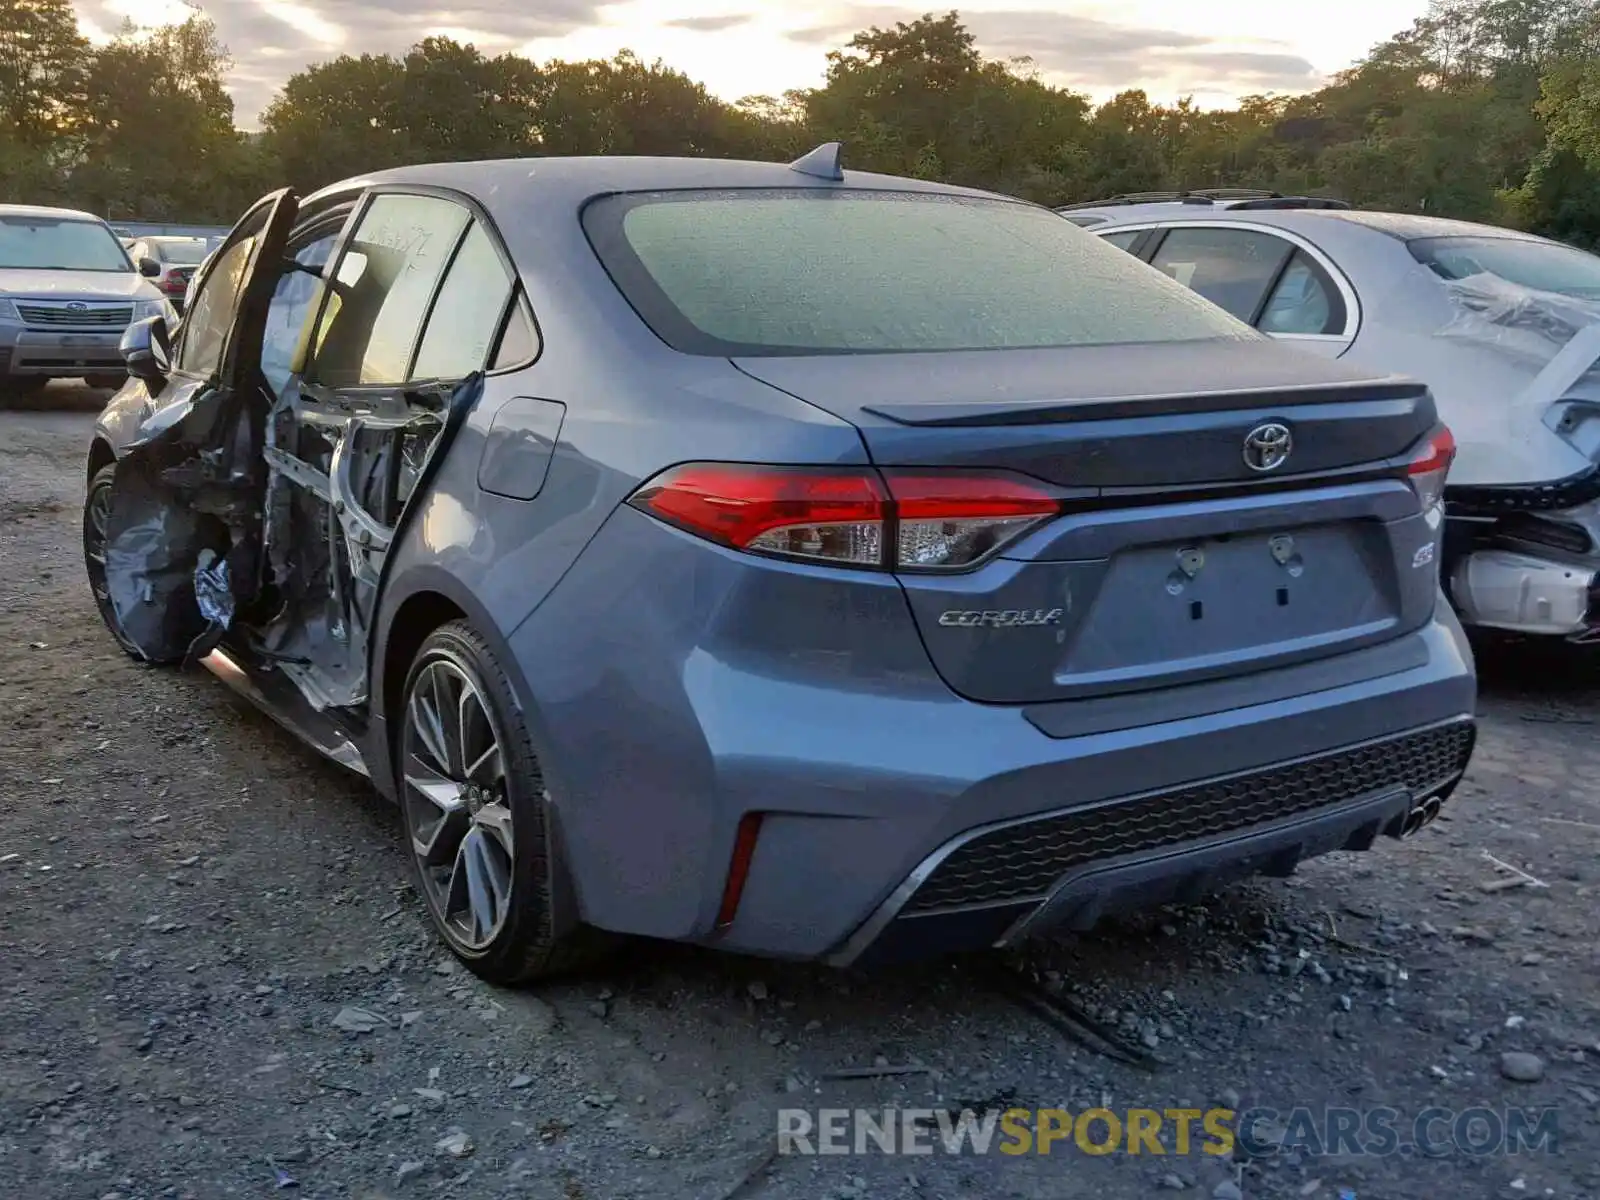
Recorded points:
(457, 808)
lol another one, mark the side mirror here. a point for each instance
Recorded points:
(147, 349)
(149, 268)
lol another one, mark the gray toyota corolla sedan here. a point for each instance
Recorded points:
(801, 562)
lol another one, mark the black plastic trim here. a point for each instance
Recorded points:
(1570, 492)
(1181, 875)
(1026, 859)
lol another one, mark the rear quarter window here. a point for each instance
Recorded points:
(813, 271)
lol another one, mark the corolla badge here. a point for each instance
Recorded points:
(1004, 618)
(1267, 447)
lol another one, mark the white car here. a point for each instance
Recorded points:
(169, 262)
(1503, 326)
(194, 275)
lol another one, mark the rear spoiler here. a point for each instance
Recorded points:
(1103, 408)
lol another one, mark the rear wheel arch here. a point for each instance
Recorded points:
(417, 599)
(417, 616)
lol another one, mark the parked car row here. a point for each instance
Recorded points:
(1504, 327)
(808, 563)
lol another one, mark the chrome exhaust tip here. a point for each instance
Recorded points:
(1421, 814)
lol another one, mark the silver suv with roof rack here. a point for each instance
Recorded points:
(68, 292)
(1185, 202)
(1504, 326)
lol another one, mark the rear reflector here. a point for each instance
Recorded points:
(1430, 466)
(901, 520)
(744, 849)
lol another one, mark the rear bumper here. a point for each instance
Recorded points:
(998, 885)
(665, 710)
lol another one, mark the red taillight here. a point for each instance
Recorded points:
(956, 520)
(910, 520)
(798, 513)
(1429, 467)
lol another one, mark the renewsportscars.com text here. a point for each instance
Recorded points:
(1179, 1132)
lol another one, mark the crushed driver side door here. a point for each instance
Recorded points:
(354, 438)
(183, 537)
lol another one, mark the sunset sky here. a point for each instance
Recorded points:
(1215, 51)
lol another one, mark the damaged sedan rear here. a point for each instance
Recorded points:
(801, 562)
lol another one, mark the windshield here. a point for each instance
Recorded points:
(808, 271)
(1543, 266)
(185, 253)
(60, 244)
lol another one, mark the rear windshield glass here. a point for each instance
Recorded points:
(769, 272)
(1543, 266)
(184, 253)
(56, 243)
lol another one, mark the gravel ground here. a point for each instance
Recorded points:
(189, 901)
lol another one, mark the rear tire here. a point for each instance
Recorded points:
(477, 816)
(96, 514)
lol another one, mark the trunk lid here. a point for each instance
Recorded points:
(1174, 560)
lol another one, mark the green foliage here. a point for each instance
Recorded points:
(624, 106)
(42, 58)
(154, 117)
(1483, 109)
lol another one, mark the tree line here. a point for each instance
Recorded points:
(1483, 109)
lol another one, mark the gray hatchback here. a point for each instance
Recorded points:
(807, 563)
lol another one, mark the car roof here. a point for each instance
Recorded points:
(1404, 226)
(568, 182)
(40, 210)
(1411, 226)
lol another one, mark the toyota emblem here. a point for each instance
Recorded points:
(77, 306)
(1267, 447)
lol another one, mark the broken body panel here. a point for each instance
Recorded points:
(185, 499)
(342, 472)
(1523, 551)
(1505, 329)
(249, 529)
